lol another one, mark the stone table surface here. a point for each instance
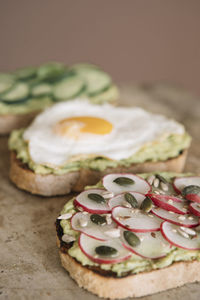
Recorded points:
(29, 262)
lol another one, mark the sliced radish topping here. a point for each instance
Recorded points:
(83, 223)
(121, 199)
(180, 183)
(135, 220)
(152, 244)
(170, 203)
(182, 220)
(118, 183)
(180, 237)
(195, 209)
(93, 201)
(103, 252)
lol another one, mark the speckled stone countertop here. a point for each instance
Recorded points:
(29, 262)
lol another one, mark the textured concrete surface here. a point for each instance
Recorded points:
(29, 262)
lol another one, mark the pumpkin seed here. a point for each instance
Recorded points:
(97, 219)
(191, 189)
(124, 181)
(131, 238)
(96, 197)
(105, 251)
(161, 178)
(146, 205)
(131, 200)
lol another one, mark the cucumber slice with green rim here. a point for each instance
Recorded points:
(26, 73)
(68, 88)
(41, 90)
(18, 93)
(51, 71)
(6, 82)
(97, 81)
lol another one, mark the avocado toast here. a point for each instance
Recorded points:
(75, 143)
(25, 92)
(130, 235)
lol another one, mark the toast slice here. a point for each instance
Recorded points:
(50, 185)
(105, 281)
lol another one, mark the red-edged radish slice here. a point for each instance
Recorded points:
(180, 183)
(172, 233)
(152, 245)
(182, 220)
(135, 220)
(138, 184)
(82, 222)
(120, 200)
(88, 246)
(90, 205)
(194, 208)
(170, 203)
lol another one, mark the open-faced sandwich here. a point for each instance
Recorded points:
(73, 144)
(25, 92)
(132, 235)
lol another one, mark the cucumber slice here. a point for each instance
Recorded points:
(26, 73)
(41, 90)
(68, 88)
(18, 93)
(51, 71)
(6, 82)
(97, 81)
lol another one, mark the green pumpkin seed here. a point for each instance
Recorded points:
(105, 251)
(146, 205)
(161, 178)
(131, 200)
(131, 238)
(124, 181)
(98, 219)
(96, 197)
(191, 189)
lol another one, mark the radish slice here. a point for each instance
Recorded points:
(173, 235)
(90, 205)
(182, 220)
(152, 245)
(88, 246)
(180, 182)
(195, 209)
(138, 184)
(120, 200)
(91, 229)
(135, 220)
(170, 203)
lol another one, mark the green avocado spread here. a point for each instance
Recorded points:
(161, 150)
(135, 263)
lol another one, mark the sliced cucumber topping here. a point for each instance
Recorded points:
(18, 93)
(6, 82)
(26, 73)
(97, 81)
(51, 71)
(68, 88)
(41, 90)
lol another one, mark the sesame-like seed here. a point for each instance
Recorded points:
(156, 182)
(164, 186)
(181, 217)
(190, 218)
(171, 212)
(170, 201)
(183, 233)
(174, 230)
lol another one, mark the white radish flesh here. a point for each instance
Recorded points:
(169, 203)
(180, 183)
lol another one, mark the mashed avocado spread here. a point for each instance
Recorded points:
(135, 263)
(161, 150)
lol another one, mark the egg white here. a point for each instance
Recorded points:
(132, 128)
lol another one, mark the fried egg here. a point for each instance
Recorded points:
(73, 129)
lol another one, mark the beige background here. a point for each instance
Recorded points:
(132, 39)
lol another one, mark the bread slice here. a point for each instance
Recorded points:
(51, 184)
(15, 121)
(137, 285)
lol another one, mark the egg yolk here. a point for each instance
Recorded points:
(73, 127)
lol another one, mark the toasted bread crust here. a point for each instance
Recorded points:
(51, 184)
(136, 285)
(15, 121)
